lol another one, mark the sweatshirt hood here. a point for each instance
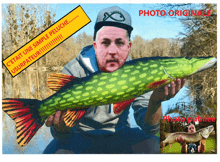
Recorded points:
(88, 58)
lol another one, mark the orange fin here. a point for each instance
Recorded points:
(156, 84)
(58, 80)
(24, 113)
(119, 107)
(73, 116)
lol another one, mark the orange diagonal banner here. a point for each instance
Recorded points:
(46, 41)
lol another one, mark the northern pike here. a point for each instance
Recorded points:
(188, 137)
(120, 87)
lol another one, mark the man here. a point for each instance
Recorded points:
(100, 130)
(197, 147)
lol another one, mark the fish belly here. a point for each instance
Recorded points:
(187, 137)
(191, 139)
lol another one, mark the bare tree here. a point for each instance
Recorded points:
(201, 40)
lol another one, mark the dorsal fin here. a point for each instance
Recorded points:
(73, 116)
(58, 80)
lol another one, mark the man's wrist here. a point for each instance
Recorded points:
(61, 128)
(153, 114)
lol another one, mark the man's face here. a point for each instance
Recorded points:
(111, 48)
(191, 129)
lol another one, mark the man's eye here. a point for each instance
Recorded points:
(120, 43)
(105, 43)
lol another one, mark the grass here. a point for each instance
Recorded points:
(176, 147)
(210, 144)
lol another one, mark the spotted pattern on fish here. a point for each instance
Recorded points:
(130, 81)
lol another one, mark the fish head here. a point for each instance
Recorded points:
(197, 64)
(180, 67)
(203, 63)
(205, 132)
(211, 128)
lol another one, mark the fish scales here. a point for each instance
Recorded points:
(102, 88)
(130, 81)
(187, 137)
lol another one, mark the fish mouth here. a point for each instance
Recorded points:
(207, 65)
(211, 128)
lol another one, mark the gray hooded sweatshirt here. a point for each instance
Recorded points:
(101, 119)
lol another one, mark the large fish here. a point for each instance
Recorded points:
(120, 87)
(188, 137)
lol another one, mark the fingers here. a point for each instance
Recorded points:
(169, 91)
(183, 82)
(57, 116)
(174, 87)
(179, 139)
(49, 121)
(55, 119)
(166, 90)
(62, 116)
(178, 85)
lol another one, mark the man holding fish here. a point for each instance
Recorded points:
(197, 147)
(100, 130)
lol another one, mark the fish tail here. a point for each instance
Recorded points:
(25, 113)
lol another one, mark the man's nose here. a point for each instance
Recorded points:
(112, 49)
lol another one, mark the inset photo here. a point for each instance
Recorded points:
(192, 135)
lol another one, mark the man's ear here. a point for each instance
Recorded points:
(94, 45)
(129, 45)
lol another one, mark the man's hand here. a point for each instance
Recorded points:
(180, 139)
(165, 93)
(57, 122)
(154, 111)
(55, 119)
